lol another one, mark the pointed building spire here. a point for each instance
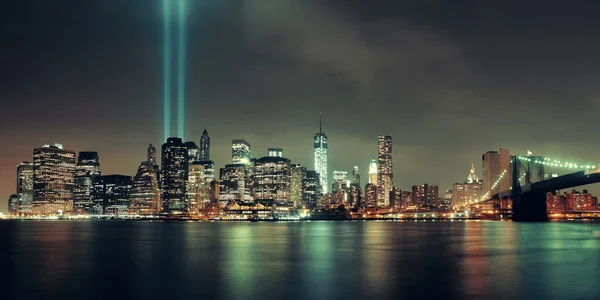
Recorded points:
(320, 122)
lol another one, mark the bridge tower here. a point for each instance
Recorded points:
(527, 206)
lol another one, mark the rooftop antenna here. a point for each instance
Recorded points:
(320, 122)
(204, 123)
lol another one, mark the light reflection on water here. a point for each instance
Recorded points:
(309, 260)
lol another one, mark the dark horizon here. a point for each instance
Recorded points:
(446, 86)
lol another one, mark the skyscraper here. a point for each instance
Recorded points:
(204, 145)
(385, 170)
(53, 172)
(196, 191)
(193, 152)
(174, 163)
(275, 152)
(232, 186)
(112, 194)
(151, 155)
(13, 204)
(373, 172)
(240, 152)
(298, 174)
(339, 181)
(494, 164)
(25, 187)
(311, 189)
(145, 191)
(272, 180)
(86, 171)
(370, 199)
(320, 151)
(355, 176)
(425, 195)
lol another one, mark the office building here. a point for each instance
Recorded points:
(494, 165)
(53, 179)
(406, 199)
(215, 189)
(193, 152)
(355, 176)
(197, 190)
(311, 189)
(240, 152)
(320, 155)
(467, 192)
(151, 159)
(204, 146)
(112, 194)
(355, 195)
(272, 180)
(385, 175)
(296, 186)
(425, 195)
(86, 171)
(275, 152)
(174, 165)
(395, 198)
(25, 187)
(13, 205)
(373, 172)
(370, 195)
(232, 185)
(339, 181)
(145, 190)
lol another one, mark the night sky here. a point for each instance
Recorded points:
(449, 80)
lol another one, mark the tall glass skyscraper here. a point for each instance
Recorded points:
(240, 152)
(373, 172)
(384, 171)
(86, 171)
(320, 146)
(25, 187)
(272, 180)
(298, 175)
(174, 163)
(53, 170)
(145, 190)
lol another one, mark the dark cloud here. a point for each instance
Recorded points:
(448, 80)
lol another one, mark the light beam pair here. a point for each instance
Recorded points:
(174, 16)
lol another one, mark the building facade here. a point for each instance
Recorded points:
(145, 190)
(174, 165)
(204, 146)
(425, 195)
(373, 172)
(112, 194)
(311, 189)
(86, 172)
(272, 180)
(385, 174)
(370, 195)
(197, 190)
(339, 181)
(25, 187)
(320, 156)
(232, 185)
(240, 152)
(53, 179)
(296, 186)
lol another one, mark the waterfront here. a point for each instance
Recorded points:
(299, 260)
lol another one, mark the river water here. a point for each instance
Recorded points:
(303, 260)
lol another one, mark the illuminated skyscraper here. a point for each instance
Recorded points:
(204, 145)
(275, 152)
(373, 172)
(197, 190)
(145, 191)
(86, 171)
(339, 181)
(320, 148)
(424, 195)
(385, 173)
(355, 176)
(174, 163)
(370, 199)
(25, 187)
(240, 152)
(151, 155)
(272, 180)
(112, 194)
(311, 189)
(53, 172)
(298, 174)
(232, 186)
(193, 152)
(13, 205)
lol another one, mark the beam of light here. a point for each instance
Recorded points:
(167, 70)
(181, 69)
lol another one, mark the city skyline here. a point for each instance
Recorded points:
(427, 111)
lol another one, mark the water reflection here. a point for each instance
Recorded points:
(309, 260)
